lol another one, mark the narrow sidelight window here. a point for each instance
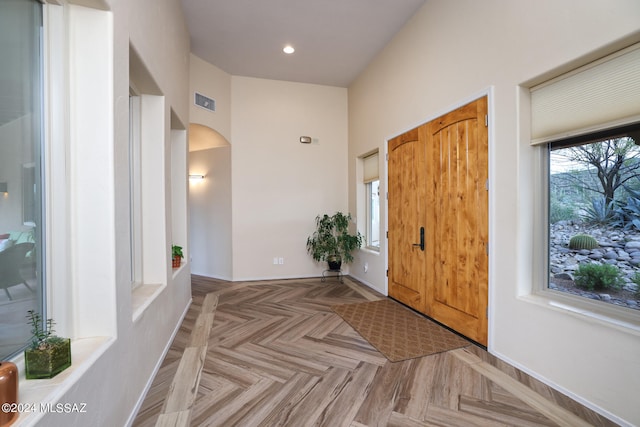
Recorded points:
(21, 177)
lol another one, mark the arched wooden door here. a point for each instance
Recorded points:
(449, 198)
(406, 205)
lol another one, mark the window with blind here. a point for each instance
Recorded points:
(589, 122)
(371, 181)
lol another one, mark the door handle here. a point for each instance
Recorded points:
(421, 244)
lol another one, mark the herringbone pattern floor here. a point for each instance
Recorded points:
(276, 355)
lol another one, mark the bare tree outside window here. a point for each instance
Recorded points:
(594, 219)
(603, 167)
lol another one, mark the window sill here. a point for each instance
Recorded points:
(371, 250)
(142, 297)
(177, 270)
(42, 395)
(623, 319)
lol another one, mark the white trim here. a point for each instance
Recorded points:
(135, 192)
(142, 297)
(368, 197)
(218, 277)
(384, 181)
(608, 315)
(56, 158)
(489, 93)
(364, 282)
(156, 257)
(491, 142)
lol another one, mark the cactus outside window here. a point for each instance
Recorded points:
(582, 241)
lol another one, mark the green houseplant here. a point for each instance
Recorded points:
(48, 354)
(176, 256)
(332, 242)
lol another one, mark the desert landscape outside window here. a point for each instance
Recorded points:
(594, 217)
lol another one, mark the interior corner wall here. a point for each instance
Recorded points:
(210, 213)
(451, 52)
(280, 185)
(209, 80)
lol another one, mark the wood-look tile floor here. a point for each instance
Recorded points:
(276, 355)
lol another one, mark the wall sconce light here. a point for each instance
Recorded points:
(3, 187)
(305, 139)
(196, 178)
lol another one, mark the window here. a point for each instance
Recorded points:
(21, 189)
(594, 216)
(135, 192)
(372, 187)
(147, 192)
(373, 214)
(589, 119)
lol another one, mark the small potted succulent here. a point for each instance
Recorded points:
(48, 354)
(176, 256)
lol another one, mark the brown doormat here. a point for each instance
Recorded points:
(396, 331)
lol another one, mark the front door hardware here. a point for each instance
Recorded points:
(421, 244)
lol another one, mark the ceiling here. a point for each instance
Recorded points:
(334, 39)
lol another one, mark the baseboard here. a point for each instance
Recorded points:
(217, 277)
(140, 401)
(285, 277)
(364, 282)
(296, 276)
(564, 391)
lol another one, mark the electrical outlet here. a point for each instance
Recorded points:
(275, 261)
(366, 267)
(280, 260)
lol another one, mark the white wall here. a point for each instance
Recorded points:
(212, 82)
(100, 300)
(278, 184)
(210, 200)
(451, 52)
(210, 213)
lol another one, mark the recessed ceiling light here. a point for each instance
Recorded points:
(288, 49)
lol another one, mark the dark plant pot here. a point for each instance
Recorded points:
(48, 362)
(334, 263)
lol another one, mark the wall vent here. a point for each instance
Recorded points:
(204, 102)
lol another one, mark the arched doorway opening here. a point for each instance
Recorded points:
(210, 203)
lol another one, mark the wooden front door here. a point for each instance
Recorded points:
(406, 205)
(449, 198)
(458, 220)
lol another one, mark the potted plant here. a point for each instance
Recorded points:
(48, 354)
(332, 241)
(176, 256)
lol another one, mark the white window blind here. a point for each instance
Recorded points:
(370, 168)
(597, 96)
